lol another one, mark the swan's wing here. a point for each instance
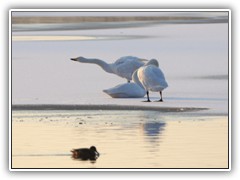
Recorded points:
(154, 78)
(157, 72)
(127, 58)
(126, 67)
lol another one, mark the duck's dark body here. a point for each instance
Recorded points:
(85, 153)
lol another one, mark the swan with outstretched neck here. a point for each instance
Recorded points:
(151, 77)
(123, 67)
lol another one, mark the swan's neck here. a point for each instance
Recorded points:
(136, 80)
(105, 66)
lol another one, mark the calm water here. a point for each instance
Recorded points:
(125, 139)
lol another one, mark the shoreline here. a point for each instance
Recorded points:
(111, 19)
(102, 107)
(79, 19)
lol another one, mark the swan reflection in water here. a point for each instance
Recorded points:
(153, 130)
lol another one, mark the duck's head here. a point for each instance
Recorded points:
(93, 148)
(152, 62)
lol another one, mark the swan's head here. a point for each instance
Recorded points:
(78, 59)
(152, 62)
(73, 59)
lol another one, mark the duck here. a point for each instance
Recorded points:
(85, 153)
(126, 90)
(151, 77)
(122, 67)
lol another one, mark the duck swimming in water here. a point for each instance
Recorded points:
(85, 153)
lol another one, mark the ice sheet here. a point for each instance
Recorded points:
(190, 55)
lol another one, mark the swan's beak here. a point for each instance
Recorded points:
(74, 59)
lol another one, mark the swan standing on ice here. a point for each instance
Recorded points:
(151, 77)
(123, 67)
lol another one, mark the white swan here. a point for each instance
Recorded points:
(151, 77)
(123, 67)
(126, 90)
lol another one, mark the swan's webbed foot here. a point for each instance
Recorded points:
(160, 100)
(147, 101)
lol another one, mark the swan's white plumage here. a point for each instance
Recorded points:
(126, 90)
(151, 77)
(123, 67)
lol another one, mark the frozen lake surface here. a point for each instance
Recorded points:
(194, 58)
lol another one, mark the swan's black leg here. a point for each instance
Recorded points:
(161, 96)
(128, 81)
(148, 100)
(161, 100)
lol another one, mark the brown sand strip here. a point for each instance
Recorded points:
(104, 107)
(78, 19)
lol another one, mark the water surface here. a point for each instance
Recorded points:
(125, 139)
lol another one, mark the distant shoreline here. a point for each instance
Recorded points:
(81, 19)
(103, 107)
(78, 19)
